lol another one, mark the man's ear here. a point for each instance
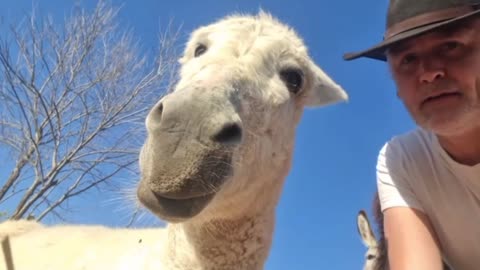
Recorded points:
(324, 90)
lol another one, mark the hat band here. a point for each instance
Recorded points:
(427, 18)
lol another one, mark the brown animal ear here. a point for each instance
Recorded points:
(324, 90)
(365, 229)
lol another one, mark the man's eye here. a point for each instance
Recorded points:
(450, 46)
(408, 59)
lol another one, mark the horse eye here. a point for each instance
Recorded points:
(293, 79)
(370, 257)
(201, 49)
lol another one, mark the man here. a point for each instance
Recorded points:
(429, 179)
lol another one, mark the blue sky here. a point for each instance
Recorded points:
(333, 172)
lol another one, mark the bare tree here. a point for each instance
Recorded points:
(73, 97)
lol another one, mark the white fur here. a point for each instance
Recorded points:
(241, 65)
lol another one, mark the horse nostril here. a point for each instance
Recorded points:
(160, 109)
(156, 113)
(229, 134)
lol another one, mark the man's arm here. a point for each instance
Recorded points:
(411, 240)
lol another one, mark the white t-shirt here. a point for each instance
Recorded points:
(413, 170)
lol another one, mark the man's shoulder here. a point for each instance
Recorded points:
(414, 136)
(411, 143)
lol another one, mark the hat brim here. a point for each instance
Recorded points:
(377, 52)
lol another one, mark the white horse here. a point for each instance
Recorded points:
(218, 150)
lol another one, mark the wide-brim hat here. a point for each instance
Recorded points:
(410, 18)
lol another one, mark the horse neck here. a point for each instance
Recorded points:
(242, 243)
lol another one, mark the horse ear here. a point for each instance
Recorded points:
(324, 90)
(365, 230)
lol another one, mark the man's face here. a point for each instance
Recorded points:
(438, 77)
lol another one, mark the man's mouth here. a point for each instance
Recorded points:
(441, 96)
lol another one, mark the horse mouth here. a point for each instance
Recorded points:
(182, 186)
(172, 209)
